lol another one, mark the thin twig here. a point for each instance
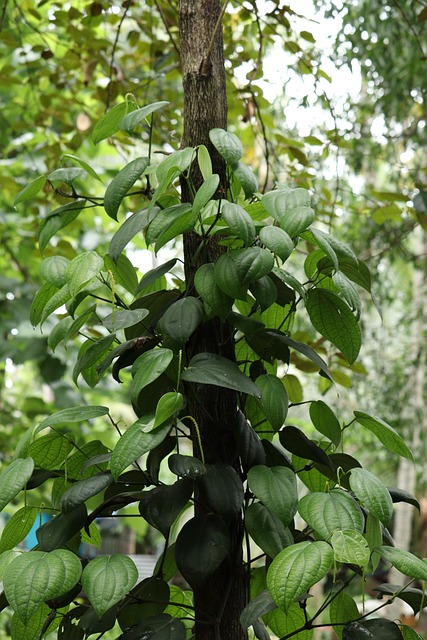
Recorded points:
(113, 55)
(168, 31)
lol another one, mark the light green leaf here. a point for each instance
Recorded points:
(333, 319)
(325, 421)
(72, 414)
(67, 175)
(175, 163)
(82, 269)
(30, 191)
(267, 530)
(240, 222)
(322, 240)
(121, 183)
(374, 537)
(385, 434)
(136, 441)
(342, 609)
(17, 527)
(109, 124)
(277, 240)
(14, 478)
(148, 367)
(107, 579)
(131, 120)
(37, 576)
(205, 162)
(167, 406)
(181, 319)
(285, 624)
(179, 225)
(274, 399)
(276, 488)
(372, 493)
(350, 547)
(205, 192)
(405, 562)
(121, 272)
(209, 368)
(53, 270)
(84, 165)
(228, 145)
(49, 451)
(216, 300)
(247, 179)
(329, 512)
(291, 208)
(296, 569)
(58, 219)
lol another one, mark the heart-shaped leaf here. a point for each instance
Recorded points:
(107, 579)
(296, 569)
(266, 530)
(350, 547)
(223, 489)
(209, 368)
(276, 487)
(162, 505)
(228, 145)
(329, 512)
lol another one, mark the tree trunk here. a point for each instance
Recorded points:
(220, 600)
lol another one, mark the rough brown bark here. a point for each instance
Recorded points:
(221, 599)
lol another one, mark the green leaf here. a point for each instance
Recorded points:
(174, 164)
(180, 224)
(49, 451)
(264, 291)
(134, 443)
(296, 569)
(405, 562)
(407, 632)
(123, 318)
(247, 179)
(228, 145)
(209, 368)
(127, 230)
(295, 441)
(248, 443)
(274, 399)
(161, 506)
(276, 488)
(181, 319)
(154, 274)
(17, 527)
(277, 240)
(240, 222)
(222, 489)
(72, 414)
(202, 545)
(82, 269)
(205, 192)
(109, 124)
(107, 579)
(266, 530)
(131, 120)
(84, 165)
(205, 162)
(160, 627)
(36, 576)
(55, 533)
(350, 547)
(30, 191)
(121, 183)
(53, 270)
(215, 299)
(91, 354)
(122, 272)
(256, 608)
(385, 434)
(82, 490)
(291, 208)
(239, 267)
(167, 406)
(325, 421)
(342, 609)
(146, 599)
(14, 478)
(374, 538)
(58, 219)
(333, 319)
(186, 466)
(286, 624)
(227, 277)
(372, 493)
(147, 368)
(66, 174)
(329, 512)
(322, 240)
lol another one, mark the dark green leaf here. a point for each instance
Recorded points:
(228, 145)
(154, 274)
(385, 434)
(186, 466)
(216, 300)
(222, 489)
(267, 530)
(240, 222)
(58, 531)
(295, 441)
(256, 608)
(277, 240)
(249, 445)
(247, 179)
(276, 488)
(161, 506)
(82, 490)
(202, 545)
(108, 125)
(325, 421)
(128, 229)
(375, 629)
(181, 319)
(209, 368)
(131, 120)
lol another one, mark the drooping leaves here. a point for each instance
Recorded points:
(121, 183)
